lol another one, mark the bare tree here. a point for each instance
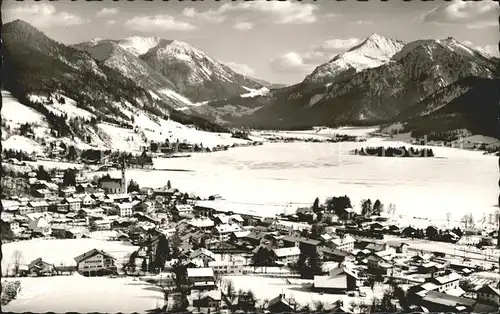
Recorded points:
(391, 210)
(17, 258)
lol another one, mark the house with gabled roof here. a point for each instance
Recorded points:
(280, 304)
(95, 263)
(38, 267)
(339, 280)
(287, 255)
(205, 255)
(489, 294)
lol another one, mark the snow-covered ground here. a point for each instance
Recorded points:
(254, 92)
(458, 181)
(296, 289)
(63, 105)
(18, 142)
(15, 112)
(62, 251)
(61, 294)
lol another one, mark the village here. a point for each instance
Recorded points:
(209, 257)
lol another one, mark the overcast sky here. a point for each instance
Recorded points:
(277, 41)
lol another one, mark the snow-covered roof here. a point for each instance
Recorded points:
(200, 272)
(202, 251)
(123, 206)
(72, 200)
(448, 278)
(38, 203)
(91, 253)
(201, 223)
(184, 208)
(288, 251)
(225, 228)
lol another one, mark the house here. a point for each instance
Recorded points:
(42, 193)
(88, 201)
(285, 225)
(436, 301)
(329, 254)
(287, 255)
(12, 223)
(338, 281)
(201, 223)
(205, 255)
(84, 188)
(60, 207)
(67, 191)
(432, 268)
(185, 211)
(38, 267)
(227, 267)
(207, 299)
(111, 185)
(447, 282)
(40, 226)
(377, 247)
(280, 304)
(228, 219)
(398, 246)
(124, 209)
(489, 294)
(38, 206)
(225, 230)
(10, 205)
(378, 264)
(146, 191)
(309, 246)
(201, 278)
(345, 243)
(95, 263)
(74, 204)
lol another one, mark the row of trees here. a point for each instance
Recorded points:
(394, 152)
(17, 154)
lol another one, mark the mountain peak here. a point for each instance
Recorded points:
(20, 25)
(139, 45)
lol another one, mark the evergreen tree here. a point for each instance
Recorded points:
(69, 177)
(133, 187)
(316, 205)
(42, 174)
(366, 207)
(377, 208)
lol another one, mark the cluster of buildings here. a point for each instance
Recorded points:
(213, 243)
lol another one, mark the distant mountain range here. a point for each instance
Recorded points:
(430, 85)
(375, 82)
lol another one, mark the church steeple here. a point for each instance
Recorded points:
(124, 179)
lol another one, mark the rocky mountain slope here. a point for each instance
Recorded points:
(79, 93)
(373, 52)
(396, 77)
(470, 103)
(170, 68)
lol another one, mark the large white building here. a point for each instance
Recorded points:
(95, 262)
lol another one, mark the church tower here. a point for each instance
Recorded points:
(124, 179)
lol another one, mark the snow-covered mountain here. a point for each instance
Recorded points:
(172, 66)
(81, 94)
(381, 78)
(373, 52)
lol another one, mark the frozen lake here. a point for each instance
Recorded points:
(457, 181)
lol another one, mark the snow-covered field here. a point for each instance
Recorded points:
(458, 181)
(61, 294)
(62, 251)
(294, 288)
